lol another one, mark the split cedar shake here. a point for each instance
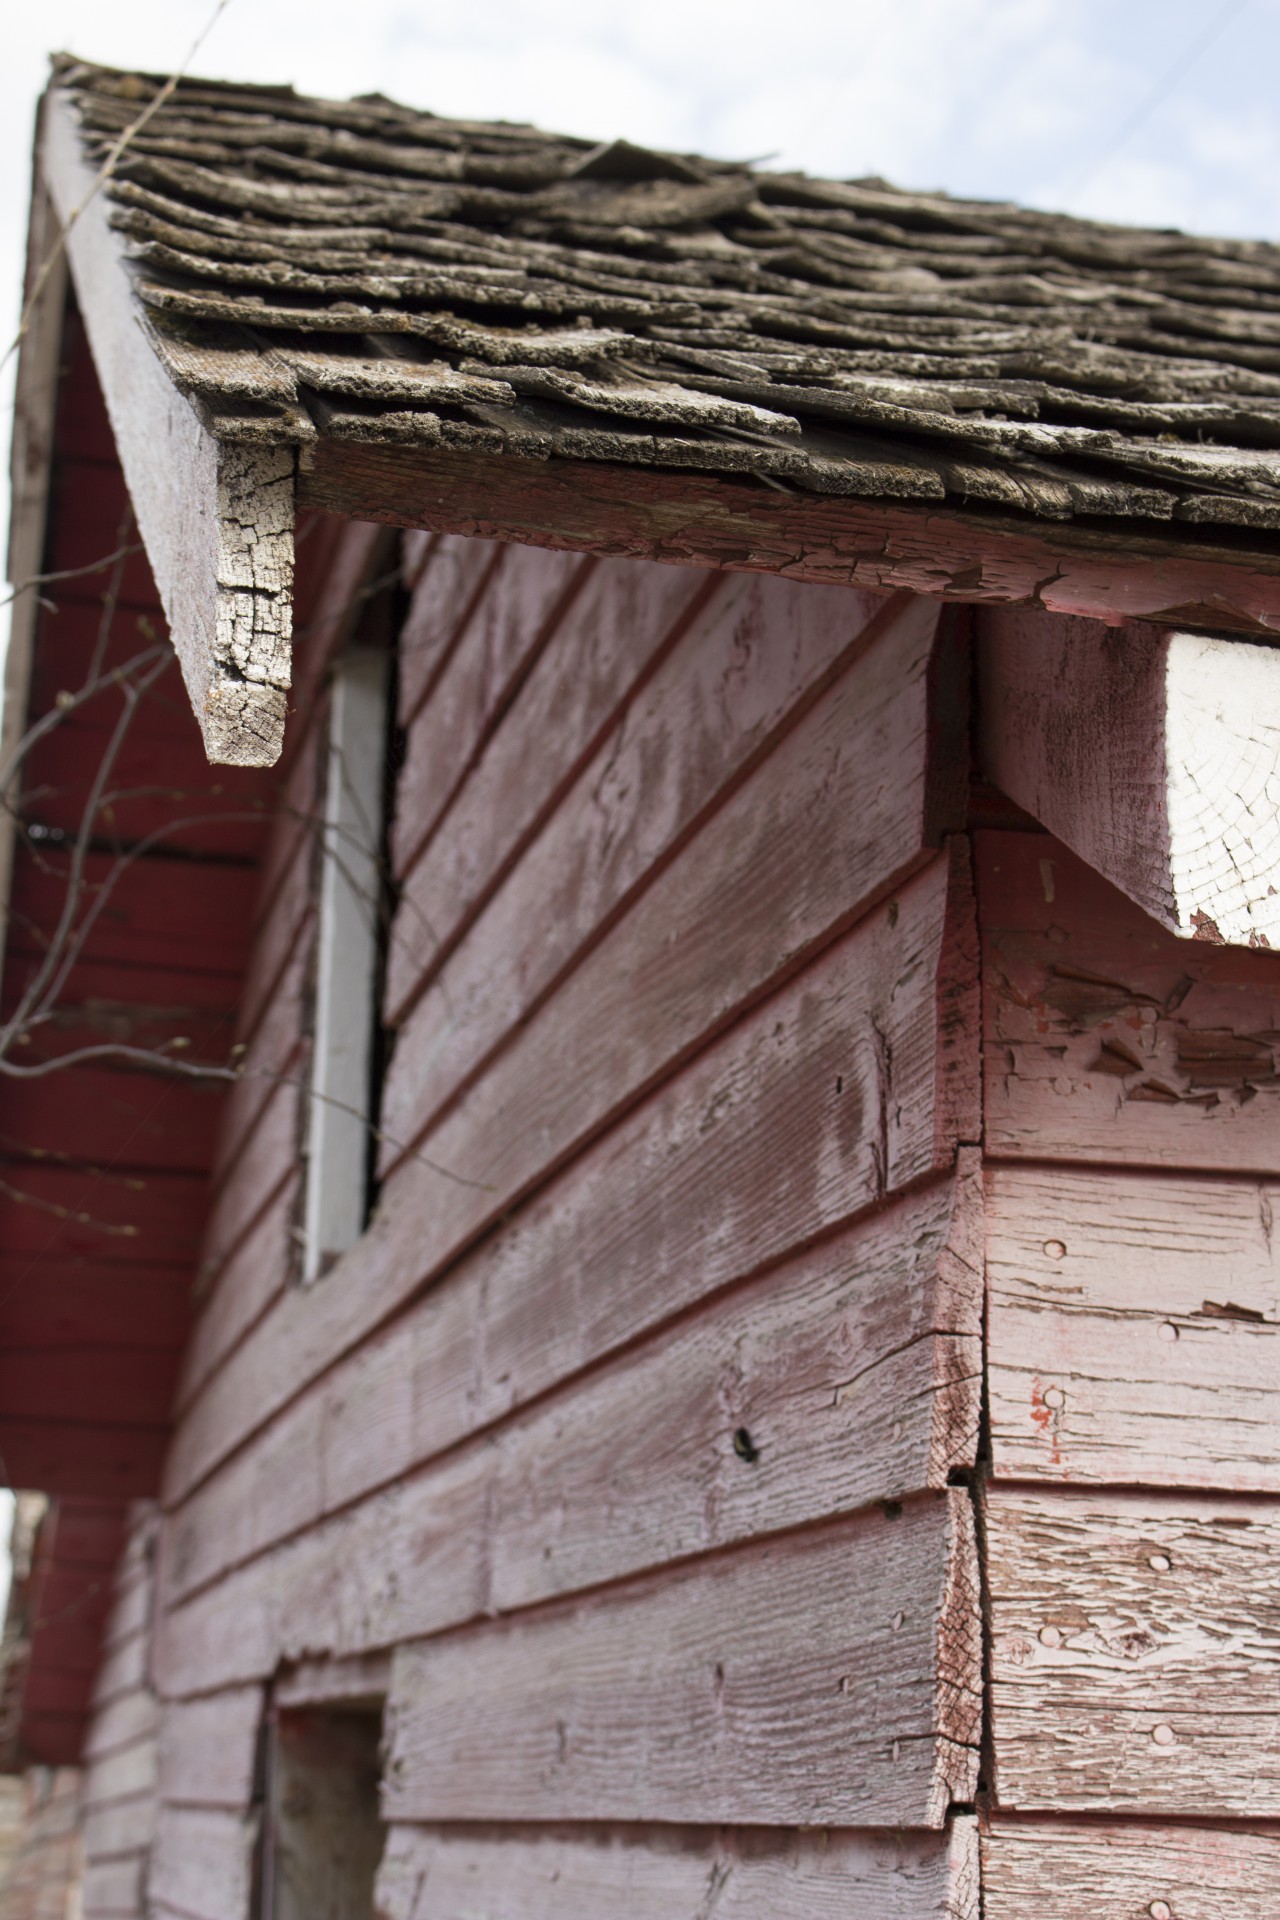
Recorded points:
(798, 1431)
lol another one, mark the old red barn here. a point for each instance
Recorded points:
(637, 1248)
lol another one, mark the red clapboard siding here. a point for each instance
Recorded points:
(277, 1051)
(617, 624)
(149, 1118)
(449, 586)
(200, 1863)
(849, 786)
(109, 1462)
(260, 1267)
(157, 788)
(669, 1205)
(64, 1303)
(853, 1370)
(1110, 1039)
(681, 1873)
(266, 1167)
(208, 1749)
(131, 1387)
(524, 598)
(179, 912)
(152, 1219)
(709, 710)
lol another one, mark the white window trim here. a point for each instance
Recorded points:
(347, 965)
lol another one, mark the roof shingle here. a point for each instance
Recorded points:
(365, 272)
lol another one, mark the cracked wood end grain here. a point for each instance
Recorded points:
(1154, 756)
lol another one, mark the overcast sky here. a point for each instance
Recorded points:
(1161, 112)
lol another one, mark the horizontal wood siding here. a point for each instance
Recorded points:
(1134, 1328)
(1131, 1527)
(686, 1699)
(119, 1807)
(628, 1428)
(1135, 1655)
(1117, 1872)
(679, 1874)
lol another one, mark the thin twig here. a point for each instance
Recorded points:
(104, 173)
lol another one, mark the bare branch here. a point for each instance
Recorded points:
(100, 179)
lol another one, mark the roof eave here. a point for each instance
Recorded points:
(1138, 571)
(216, 518)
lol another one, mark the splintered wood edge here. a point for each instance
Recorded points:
(959, 1667)
(216, 519)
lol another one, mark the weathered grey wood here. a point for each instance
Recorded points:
(217, 520)
(1038, 1870)
(848, 1375)
(1154, 756)
(1133, 1328)
(201, 1863)
(684, 1699)
(207, 1749)
(679, 1873)
(715, 704)
(862, 1071)
(1109, 1039)
(1135, 1657)
(113, 1887)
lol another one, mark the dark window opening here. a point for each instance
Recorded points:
(322, 1834)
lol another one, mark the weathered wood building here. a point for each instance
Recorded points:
(637, 1245)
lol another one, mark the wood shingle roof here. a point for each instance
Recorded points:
(361, 272)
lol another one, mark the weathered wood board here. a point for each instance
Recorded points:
(525, 597)
(855, 786)
(450, 582)
(848, 1375)
(713, 706)
(859, 1076)
(682, 1699)
(1133, 1328)
(623, 618)
(1106, 1037)
(1040, 1870)
(679, 1873)
(201, 1863)
(1135, 1652)
(727, 521)
(207, 1749)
